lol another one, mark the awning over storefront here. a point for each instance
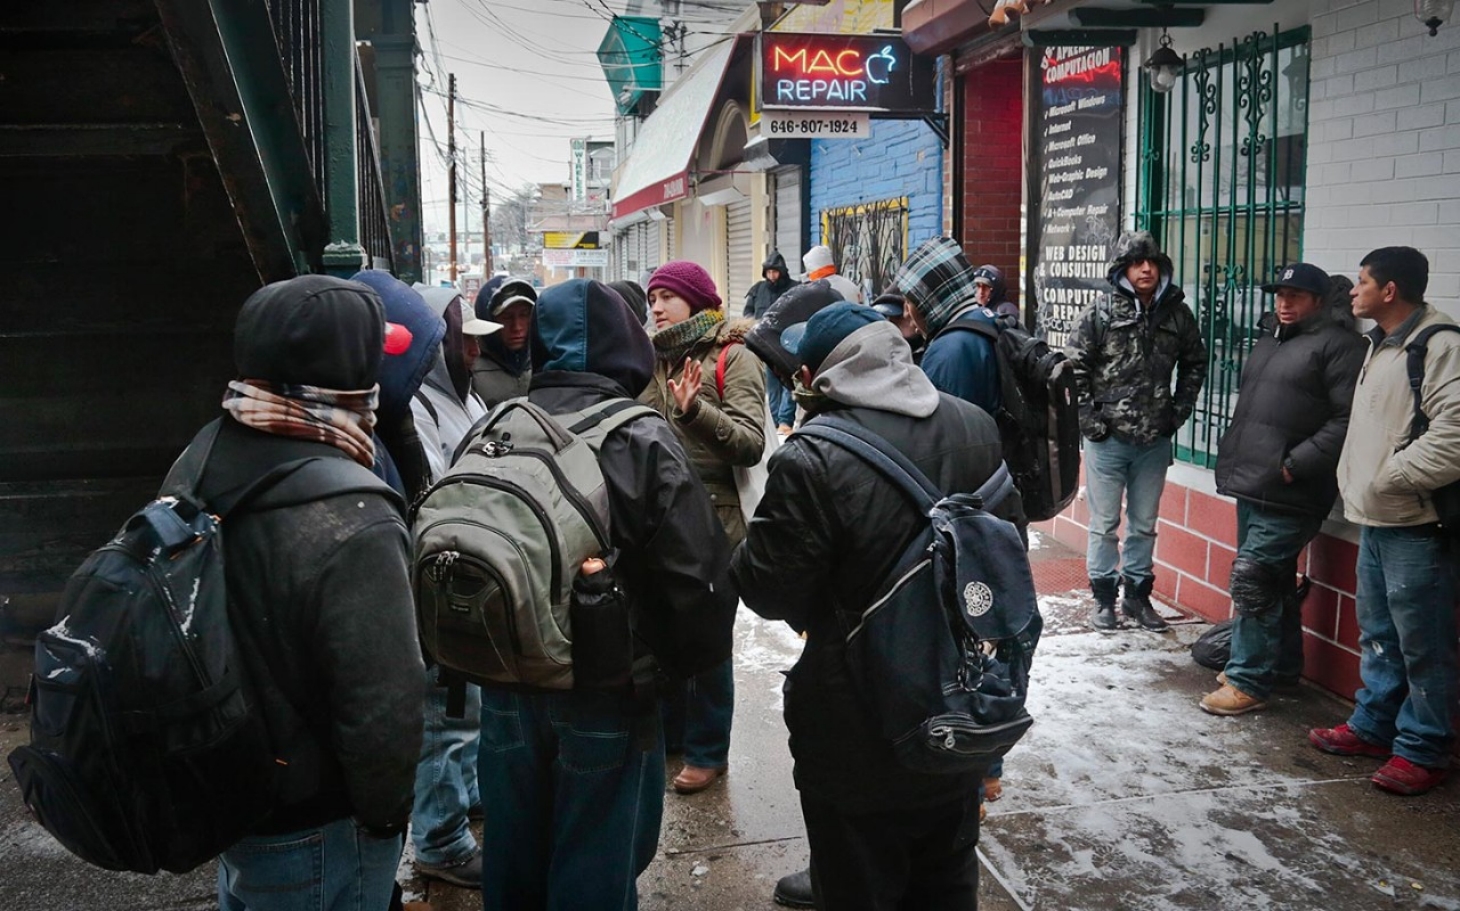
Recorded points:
(934, 27)
(657, 171)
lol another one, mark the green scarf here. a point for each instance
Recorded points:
(673, 343)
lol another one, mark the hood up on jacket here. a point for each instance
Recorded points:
(493, 346)
(1133, 247)
(584, 326)
(938, 280)
(777, 261)
(873, 368)
(448, 304)
(795, 306)
(314, 330)
(402, 374)
(633, 295)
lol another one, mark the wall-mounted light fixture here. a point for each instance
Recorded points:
(1433, 13)
(1164, 67)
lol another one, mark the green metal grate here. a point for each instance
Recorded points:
(1221, 185)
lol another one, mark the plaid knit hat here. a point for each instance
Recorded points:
(938, 280)
(689, 281)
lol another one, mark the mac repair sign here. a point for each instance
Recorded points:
(843, 72)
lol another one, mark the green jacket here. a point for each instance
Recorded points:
(719, 432)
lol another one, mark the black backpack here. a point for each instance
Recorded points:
(1447, 498)
(148, 746)
(941, 656)
(1039, 417)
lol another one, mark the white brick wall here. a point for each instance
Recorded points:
(1384, 134)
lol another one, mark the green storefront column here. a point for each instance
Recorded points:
(395, 75)
(343, 255)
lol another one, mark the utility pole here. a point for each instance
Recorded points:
(451, 165)
(486, 216)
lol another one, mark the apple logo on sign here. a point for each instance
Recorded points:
(880, 65)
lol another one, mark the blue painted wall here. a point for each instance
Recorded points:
(902, 158)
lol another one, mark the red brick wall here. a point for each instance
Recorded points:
(1196, 541)
(993, 166)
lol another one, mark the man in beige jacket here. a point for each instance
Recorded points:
(1406, 585)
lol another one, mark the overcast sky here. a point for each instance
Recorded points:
(526, 76)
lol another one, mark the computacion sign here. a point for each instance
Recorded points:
(855, 72)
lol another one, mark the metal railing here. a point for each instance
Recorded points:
(1221, 186)
(369, 185)
(299, 31)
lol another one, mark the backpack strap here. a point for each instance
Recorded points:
(595, 424)
(720, 368)
(966, 323)
(1416, 349)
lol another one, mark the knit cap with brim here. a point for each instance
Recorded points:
(688, 280)
(939, 281)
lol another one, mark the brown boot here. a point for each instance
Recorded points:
(693, 779)
(1231, 701)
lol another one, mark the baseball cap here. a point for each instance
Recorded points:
(512, 291)
(889, 304)
(982, 276)
(471, 324)
(1303, 277)
(814, 339)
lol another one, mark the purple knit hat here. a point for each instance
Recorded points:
(689, 281)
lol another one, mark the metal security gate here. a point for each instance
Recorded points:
(789, 219)
(1221, 186)
(739, 257)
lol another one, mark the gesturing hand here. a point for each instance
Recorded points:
(687, 388)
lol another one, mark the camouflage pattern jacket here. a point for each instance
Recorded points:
(1124, 355)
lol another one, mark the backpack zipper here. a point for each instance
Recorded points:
(450, 558)
(517, 490)
(574, 496)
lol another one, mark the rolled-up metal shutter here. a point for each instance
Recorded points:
(789, 218)
(671, 232)
(650, 260)
(739, 257)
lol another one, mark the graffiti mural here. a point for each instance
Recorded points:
(868, 241)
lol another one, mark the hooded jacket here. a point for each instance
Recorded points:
(319, 587)
(828, 532)
(1292, 409)
(446, 406)
(401, 376)
(939, 281)
(588, 348)
(720, 432)
(764, 292)
(498, 374)
(1123, 354)
(1385, 479)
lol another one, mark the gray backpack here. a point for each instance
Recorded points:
(500, 538)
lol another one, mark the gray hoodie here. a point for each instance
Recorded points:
(873, 368)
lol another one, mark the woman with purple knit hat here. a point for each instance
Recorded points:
(711, 389)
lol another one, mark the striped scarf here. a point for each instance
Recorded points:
(344, 420)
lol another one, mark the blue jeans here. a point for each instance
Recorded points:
(335, 867)
(697, 716)
(574, 783)
(1269, 646)
(1113, 468)
(782, 402)
(1406, 610)
(446, 778)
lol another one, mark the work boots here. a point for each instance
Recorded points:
(1104, 617)
(1136, 604)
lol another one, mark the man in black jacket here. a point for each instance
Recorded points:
(572, 782)
(321, 600)
(1280, 460)
(825, 535)
(775, 281)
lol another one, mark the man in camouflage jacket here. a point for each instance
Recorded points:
(1124, 351)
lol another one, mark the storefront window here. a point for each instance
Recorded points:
(1221, 185)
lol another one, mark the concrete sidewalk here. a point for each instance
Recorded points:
(1124, 795)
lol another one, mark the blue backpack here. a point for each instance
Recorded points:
(941, 654)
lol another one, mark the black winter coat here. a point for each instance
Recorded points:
(674, 557)
(763, 293)
(828, 531)
(1293, 405)
(324, 596)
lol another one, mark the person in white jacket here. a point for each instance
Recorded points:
(1388, 477)
(819, 263)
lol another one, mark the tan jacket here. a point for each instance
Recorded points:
(718, 433)
(1385, 481)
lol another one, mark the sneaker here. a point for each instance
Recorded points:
(467, 874)
(1400, 776)
(1231, 701)
(1342, 741)
(794, 891)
